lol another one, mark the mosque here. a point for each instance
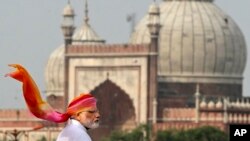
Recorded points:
(182, 68)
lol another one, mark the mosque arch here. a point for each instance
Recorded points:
(114, 104)
(116, 109)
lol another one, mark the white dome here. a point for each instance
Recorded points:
(86, 35)
(211, 105)
(54, 73)
(198, 43)
(219, 104)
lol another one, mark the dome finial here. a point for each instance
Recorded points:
(68, 1)
(86, 35)
(86, 18)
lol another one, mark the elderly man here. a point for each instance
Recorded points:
(81, 114)
(84, 116)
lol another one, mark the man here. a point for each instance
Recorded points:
(84, 116)
(82, 113)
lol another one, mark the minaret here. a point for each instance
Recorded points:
(68, 30)
(154, 29)
(68, 23)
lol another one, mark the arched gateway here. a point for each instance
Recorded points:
(116, 108)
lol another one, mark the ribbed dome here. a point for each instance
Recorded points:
(198, 43)
(54, 72)
(86, 35)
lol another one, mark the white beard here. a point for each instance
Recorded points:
(94, 125)
(91, 124)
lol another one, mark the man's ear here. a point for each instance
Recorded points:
(75, 116)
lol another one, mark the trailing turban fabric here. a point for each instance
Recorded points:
(41, 109)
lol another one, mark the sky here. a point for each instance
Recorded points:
(30, 31)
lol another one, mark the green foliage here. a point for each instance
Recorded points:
(142, 133)
(205, 133)
(43, 138)
(138, 134)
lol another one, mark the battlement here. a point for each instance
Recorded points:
(16, 114)
(178, 114)
(102, 48)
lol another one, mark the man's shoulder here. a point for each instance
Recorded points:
(73, 133)
(73, 138)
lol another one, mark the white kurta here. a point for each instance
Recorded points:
(74, 131)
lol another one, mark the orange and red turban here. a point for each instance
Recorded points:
(81, 103)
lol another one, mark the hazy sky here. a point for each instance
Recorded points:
(30, 31)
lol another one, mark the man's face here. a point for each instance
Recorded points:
(89, 118)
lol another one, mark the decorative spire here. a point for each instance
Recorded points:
(197, 93)
(197, 104)
(86, 18)
(86, 35)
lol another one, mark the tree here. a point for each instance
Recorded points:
(43, 138)
(138, 134)
(141, 133)
(205, 133)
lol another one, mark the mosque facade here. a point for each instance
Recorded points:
(182, 68)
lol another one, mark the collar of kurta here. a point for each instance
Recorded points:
(77, 123)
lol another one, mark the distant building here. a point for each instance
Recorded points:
(182, 68)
